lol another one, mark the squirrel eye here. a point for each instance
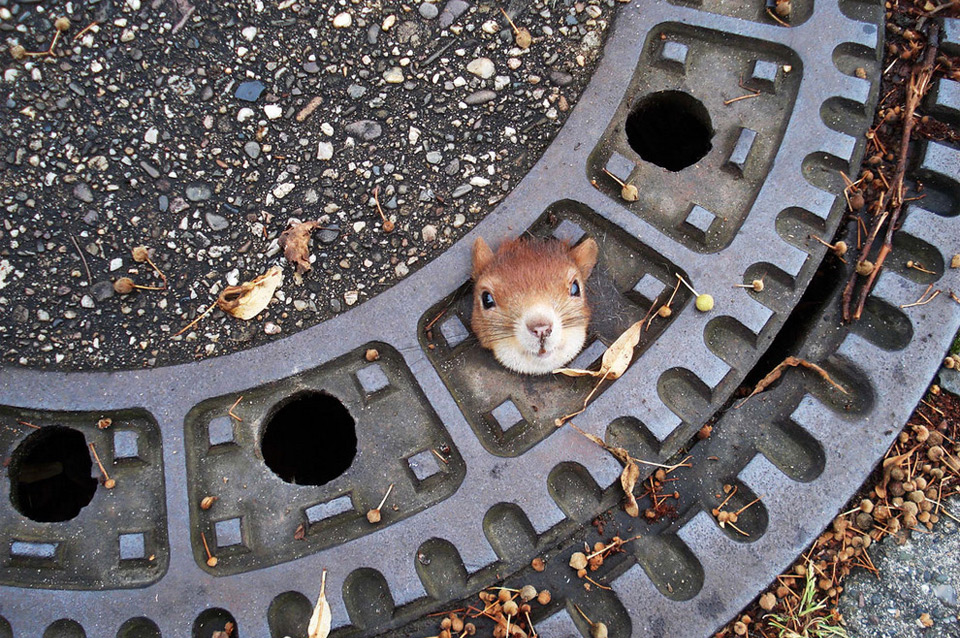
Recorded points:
(575, 288)
(486, 299)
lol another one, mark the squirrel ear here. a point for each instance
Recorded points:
(585, 256)
(482, 256)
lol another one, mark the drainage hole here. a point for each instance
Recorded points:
(671, 129)
(310, 439)
(50, 477)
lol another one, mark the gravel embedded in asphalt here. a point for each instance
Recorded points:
(200, 130)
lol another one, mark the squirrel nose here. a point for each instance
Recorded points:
(541, 328)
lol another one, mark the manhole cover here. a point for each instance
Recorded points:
(219, 459)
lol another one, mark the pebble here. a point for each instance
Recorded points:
(249, 91)
(116, 264)
(329, 233)
(365, 129)
(434, 157)
(249, 33)
(216, 222)
(272, 111)
(102, 290)
(324, 150)
(355, 91)
(245, 114)
(482, 68)
(429, 233)
(198, 192)
(429, 11)
(560, 78)
(271, 328)
(393, 75)
(82, 192)
(87, 301)
(480, 97)
(150, 137)
(459, 220)
(343, 20)
(351, 296)
(282, 190)
(252, 149)
(461, 190)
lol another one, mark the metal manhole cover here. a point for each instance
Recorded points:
(483, 481)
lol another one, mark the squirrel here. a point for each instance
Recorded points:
(530, 301)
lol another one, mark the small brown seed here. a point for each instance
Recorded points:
(371, 354)
(207, 502)
(373, 516)
(768, 601)
(470, 628)
(62, 23)
(543, 597)
(446, 623)
(504, 595)
(511, 608)
(598, 630)
(664, 311)
(140, 254)
(456, 624)
(17, 52)
(955, 261)
(123, 286)
(103, 424)
(578, 560)
(864, 268)
(212, 561)
(528, 593)
(538, 564)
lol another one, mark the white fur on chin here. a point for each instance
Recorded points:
(514, 356)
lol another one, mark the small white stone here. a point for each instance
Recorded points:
(482, 68)
(249, 33)
(401, 270)
(87, 301)
(244, 114)
(459, 220)
(501, 82)
(326, 129)
(271, 328)
(343, 20)
(476, 180)
(358, 226)
(116, 263)
(96, 67)
(150, 137)
(242, 51)
(414, 135)
(134, 5)
(429, 233)
(393, 75)
(324, 150)
(388, 22)
(514, 63)
(273, 111)
(351, 297)
(282, 190)
(491, 27)
(128, 35)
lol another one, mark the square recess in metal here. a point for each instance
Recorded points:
(511, 413)
(59, 555)
(715, 68)
(260, 513)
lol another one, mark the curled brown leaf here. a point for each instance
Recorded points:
(249, 298)
(295, 242)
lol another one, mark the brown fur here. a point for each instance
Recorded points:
(524, 272)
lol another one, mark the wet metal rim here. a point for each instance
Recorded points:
(501, 489)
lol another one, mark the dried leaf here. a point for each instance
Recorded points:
(319, 626)
(628, 479)
(295, 242)
(791, 362)
(615, 360)
(249, 298)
